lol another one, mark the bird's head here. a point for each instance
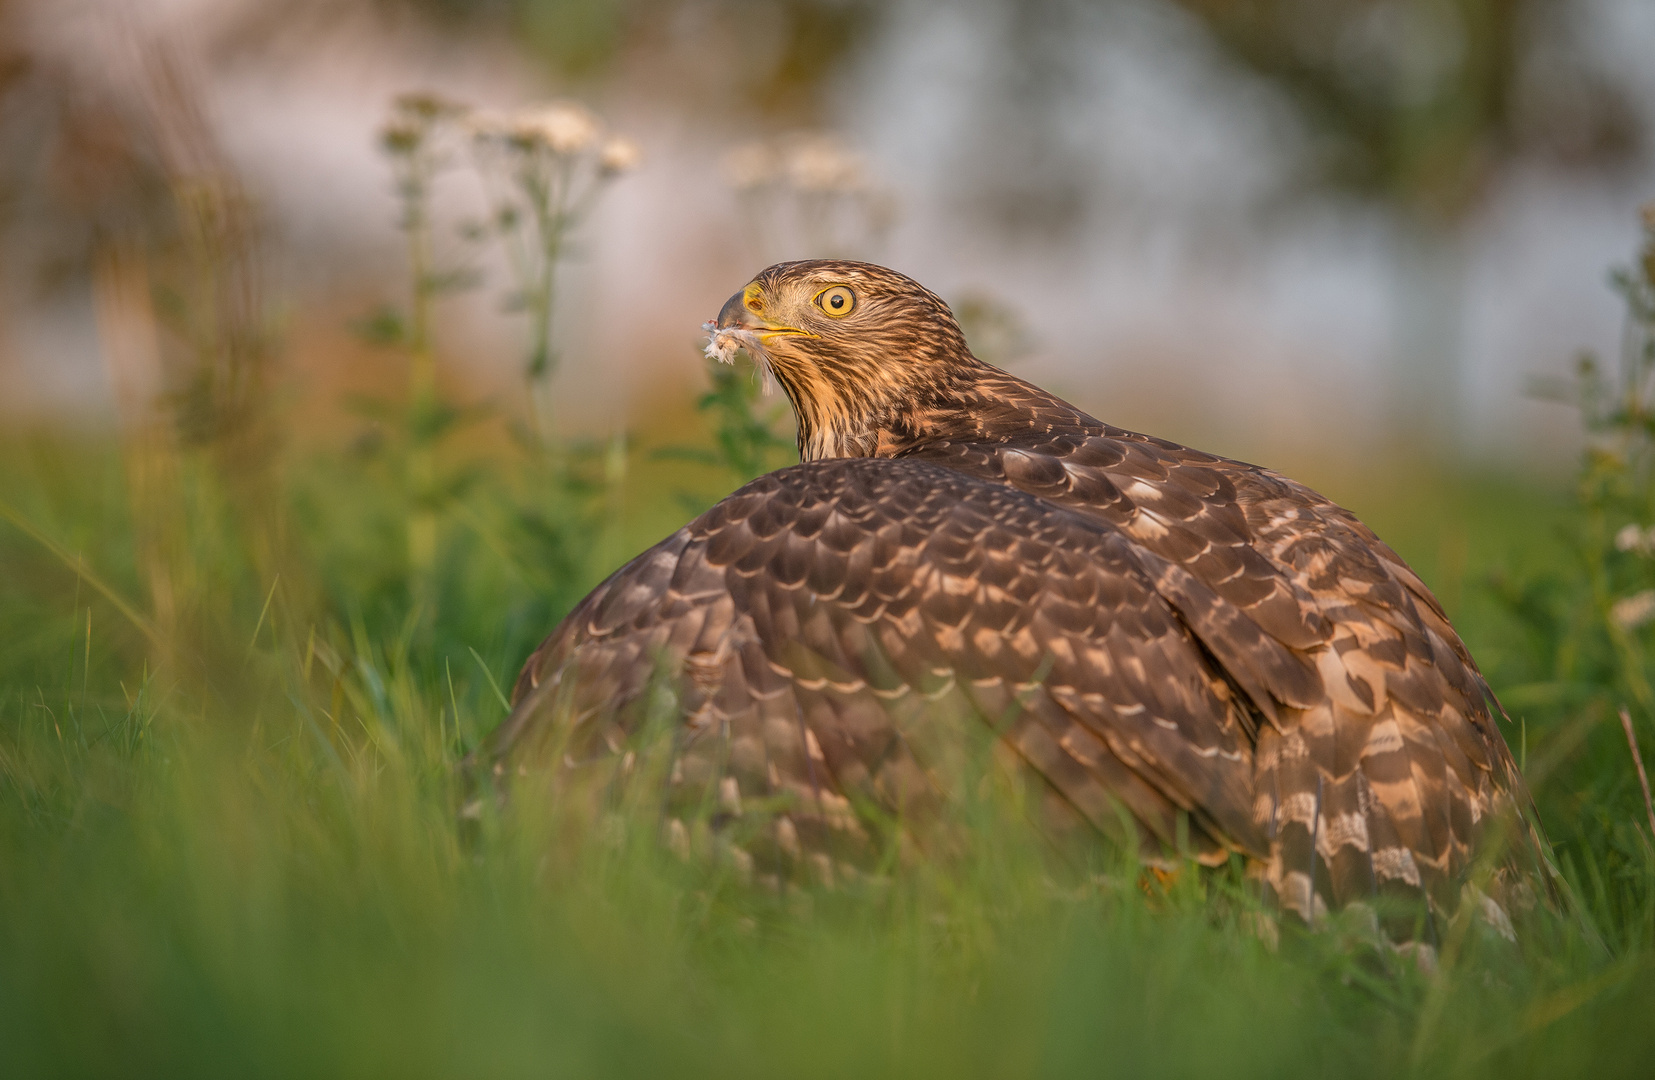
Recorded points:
(853, 345)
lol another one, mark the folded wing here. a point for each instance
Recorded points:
(830, 626)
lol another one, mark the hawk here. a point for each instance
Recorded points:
(1193, 655)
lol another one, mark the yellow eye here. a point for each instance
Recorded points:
(837, 301)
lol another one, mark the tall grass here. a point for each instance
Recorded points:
(230, 841)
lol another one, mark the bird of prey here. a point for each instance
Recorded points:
(1194, 655)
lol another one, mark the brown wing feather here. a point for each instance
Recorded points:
(821, 617)
(1379, 745)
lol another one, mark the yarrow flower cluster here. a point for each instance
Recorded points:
(565, 129)
(811, 162)
(415, 119)
(1635, 538)
(1633, 611)
(543, 168)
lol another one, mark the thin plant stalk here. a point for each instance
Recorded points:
(555, 210)
(542, 170)
(1638, 761)
(422, 370)
(126, 322)
(411, 143)
(548, 199)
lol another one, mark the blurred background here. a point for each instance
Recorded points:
(1298, 231)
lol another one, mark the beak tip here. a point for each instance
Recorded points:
(733, 313)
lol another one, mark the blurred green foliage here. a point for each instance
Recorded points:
(1419, 103)
(1584, 623)
(250, 861)
(1416, 103)
(790, 50)
(746, 432)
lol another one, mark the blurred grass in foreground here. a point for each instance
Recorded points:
(249, 863)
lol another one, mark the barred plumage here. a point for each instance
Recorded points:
(1161, 631)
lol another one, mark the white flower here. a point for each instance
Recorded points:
(1633, 611)
(620, 154)
(564, 126)
(1635, 538)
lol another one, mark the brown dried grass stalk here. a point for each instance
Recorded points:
(1637, 759)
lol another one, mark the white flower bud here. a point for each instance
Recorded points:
(1633, 611)
(563, 126)
(619, 155)
(1635, 538)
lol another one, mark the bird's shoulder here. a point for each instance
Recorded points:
(1265, 567)
(1187, 505)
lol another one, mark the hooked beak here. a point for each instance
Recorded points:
(735, 316)
(745, 311)
(738, 326)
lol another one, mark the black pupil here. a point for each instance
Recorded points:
(836, 301)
